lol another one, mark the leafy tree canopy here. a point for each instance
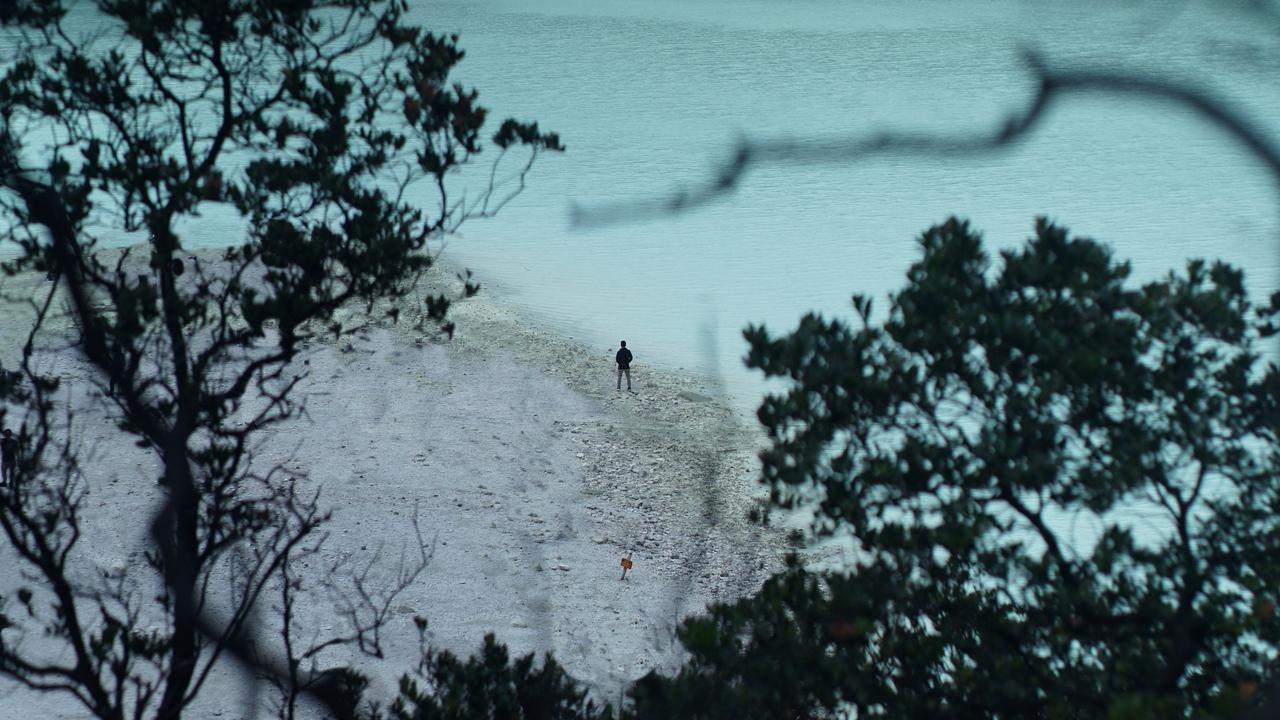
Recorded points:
(490, 685)
(1057, 493)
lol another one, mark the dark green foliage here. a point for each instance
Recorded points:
(1058, 493)
(491, 685)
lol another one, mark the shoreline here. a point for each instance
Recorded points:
(532, 473)
(741, 389)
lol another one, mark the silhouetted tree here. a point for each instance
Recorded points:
(1055, 494)
(490, 685)
(311, 121)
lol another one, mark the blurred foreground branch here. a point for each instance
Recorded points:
(1052, 86)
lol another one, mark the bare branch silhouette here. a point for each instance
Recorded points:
(1052, 86)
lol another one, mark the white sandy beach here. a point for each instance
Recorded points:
(531, 472)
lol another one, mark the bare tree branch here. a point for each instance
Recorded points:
(1052, 86)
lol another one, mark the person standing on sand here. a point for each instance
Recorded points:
(623, 358)
(9, 456)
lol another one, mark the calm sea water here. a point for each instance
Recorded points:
(650, 96)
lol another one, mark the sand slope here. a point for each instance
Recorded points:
(533, 475)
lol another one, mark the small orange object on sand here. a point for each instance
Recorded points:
(626, 565)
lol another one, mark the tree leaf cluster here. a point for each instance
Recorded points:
(1056, 491)
(491, 684)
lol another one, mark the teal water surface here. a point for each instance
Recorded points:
(650, 97)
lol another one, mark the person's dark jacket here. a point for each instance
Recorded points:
(623, 359)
